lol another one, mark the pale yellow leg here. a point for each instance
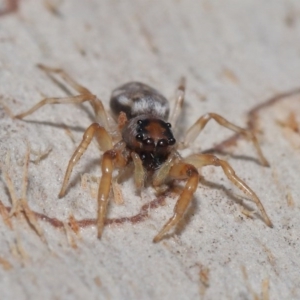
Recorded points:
(180, 171)
(162, 173)
(179, 102)
(201, 160)
(139, 171)
(198, 126)
(110, 160)
(104, 141)
(85, 95)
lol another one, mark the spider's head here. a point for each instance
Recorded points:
(151, 138)
(154, 135)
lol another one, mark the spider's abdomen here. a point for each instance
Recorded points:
(135, 98)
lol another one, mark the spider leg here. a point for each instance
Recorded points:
(202, 160)
(186, 171)
(139, 171)
(104, 141)
(66, 77)
(198, 126)
(84, 95)
(61, 100)
(111, 159)
(162, 174)
(179, 101)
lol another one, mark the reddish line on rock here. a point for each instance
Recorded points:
(252, 117)
(139, 217)
(12, 6)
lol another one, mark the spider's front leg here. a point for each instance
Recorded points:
(198, 126)
(104, 140)
(186, 171)
(202, 160)
(111, 159)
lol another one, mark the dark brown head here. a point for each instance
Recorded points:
(151, 138)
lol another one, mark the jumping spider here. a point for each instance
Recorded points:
(145, 139)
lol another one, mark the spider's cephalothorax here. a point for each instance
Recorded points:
(148, 142)
(151, 138)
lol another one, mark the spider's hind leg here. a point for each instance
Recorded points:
(84, 95)
(180, 93)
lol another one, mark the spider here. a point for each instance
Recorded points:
(144, 139)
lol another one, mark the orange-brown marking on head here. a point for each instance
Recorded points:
(156, 130)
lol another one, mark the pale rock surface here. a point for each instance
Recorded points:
(235, 55)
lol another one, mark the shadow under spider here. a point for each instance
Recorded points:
(58, 125)
(234, 156)
(230, 194)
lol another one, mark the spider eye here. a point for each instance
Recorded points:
(139, 136)
(169, 125)
(140, 122)
(162, 143)
(171, 141)
(148, 141)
